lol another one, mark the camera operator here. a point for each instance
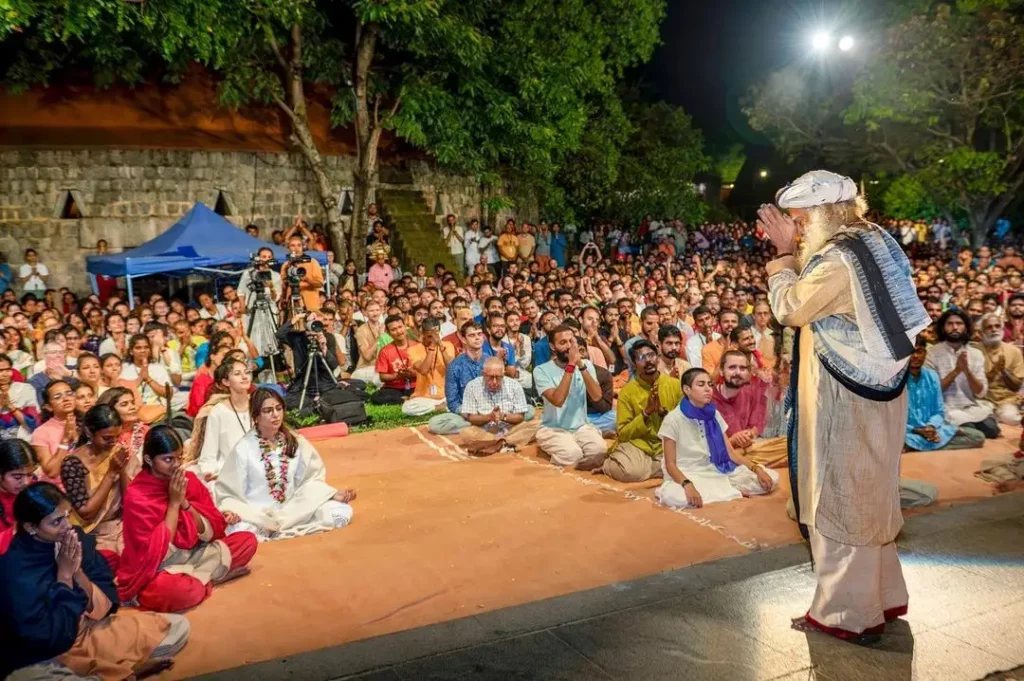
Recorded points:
(257, 284)
(299, 341)
(259, 273)
(303, 271)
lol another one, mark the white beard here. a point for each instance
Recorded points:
(816, 233)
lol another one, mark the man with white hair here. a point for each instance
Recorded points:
(850, 295)
(495, 406)
(1004, 369)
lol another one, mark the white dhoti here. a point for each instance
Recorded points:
(860, 588)
(849, 436)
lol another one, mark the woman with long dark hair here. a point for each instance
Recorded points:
(175, 549)
(95, 475)
(59, 435)
(17, 471)
(227, 418)
(276, 482)
(59, 607)
(133, 431)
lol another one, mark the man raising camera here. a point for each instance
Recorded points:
(314, 338)
(303, 272)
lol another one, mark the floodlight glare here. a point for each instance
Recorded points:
(846, 43)
(821, 40)
(764, 174)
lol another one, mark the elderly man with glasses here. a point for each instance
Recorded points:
(495, 407)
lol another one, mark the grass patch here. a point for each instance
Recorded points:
(382, 417)
(386, 416)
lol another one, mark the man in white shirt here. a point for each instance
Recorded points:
(702, 335)
(454, 235)
(472, 245)
(33, 274)
(961, 370)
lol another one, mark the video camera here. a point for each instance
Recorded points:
(295, 271)
(261, 272)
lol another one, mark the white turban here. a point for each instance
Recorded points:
(816, 188)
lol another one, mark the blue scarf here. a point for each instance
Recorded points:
(712, 433)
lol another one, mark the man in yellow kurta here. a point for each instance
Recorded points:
(643, 403)
(850, 295)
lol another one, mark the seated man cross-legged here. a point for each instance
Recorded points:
(701, 467)
(565, 382)
(643, 403)
(496, 407)
(462, 371)
(927, 427)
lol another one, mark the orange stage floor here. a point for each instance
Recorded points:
(436, 537)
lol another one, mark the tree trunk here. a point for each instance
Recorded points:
(302, 137)
(368, 129)
(360, 221)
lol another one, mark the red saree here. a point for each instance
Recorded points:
(147, 541)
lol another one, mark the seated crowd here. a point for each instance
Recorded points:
(145, 454)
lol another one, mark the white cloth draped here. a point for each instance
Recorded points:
(242, 488)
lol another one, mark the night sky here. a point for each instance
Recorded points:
(713, 51)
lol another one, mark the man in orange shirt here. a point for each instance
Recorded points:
(508, 247)
(711, 354)
(429, 360)
(311, 281)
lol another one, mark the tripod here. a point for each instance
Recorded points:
(313, 363)
(262, 309)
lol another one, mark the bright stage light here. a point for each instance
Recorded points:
(821, 41)
(846, 43)
(763, 174)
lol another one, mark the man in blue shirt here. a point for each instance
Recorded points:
(497, 346)
(927, 427)
(461, 370)
(565, 382)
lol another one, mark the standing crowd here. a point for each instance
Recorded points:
(145, 453)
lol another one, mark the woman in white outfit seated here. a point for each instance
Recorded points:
(700, 465)
(223, 420)
(276, 482)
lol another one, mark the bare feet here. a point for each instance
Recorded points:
(152, 667)
(234, 574)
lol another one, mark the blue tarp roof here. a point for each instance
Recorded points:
(200, 239)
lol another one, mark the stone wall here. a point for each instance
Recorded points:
(129, 196)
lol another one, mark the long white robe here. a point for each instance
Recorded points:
(848, 462)
(242, 488)
(848, 447)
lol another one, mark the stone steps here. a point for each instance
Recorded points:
(415, 232)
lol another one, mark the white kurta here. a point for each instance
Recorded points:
(242, 488)
(693, 457)
(224, 428)
(848, 447)
(962, 404)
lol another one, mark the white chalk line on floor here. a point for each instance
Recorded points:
(749, 544)
(456, 455)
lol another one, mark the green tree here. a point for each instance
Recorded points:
(940, 100)
(483, 86)
(658, 165)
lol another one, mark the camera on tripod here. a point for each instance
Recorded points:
(261, 273)
(295, 271)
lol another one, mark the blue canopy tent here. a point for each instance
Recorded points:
(201, 241)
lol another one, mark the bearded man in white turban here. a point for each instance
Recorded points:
(849, 294)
